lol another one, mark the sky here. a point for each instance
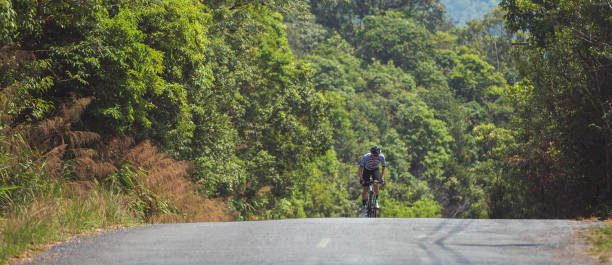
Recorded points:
(461, 11)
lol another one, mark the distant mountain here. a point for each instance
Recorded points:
(462, 11)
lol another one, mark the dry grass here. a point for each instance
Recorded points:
(74, 112)
(84, 161)
(29, 228)
(166, 177)
(211, 210)
(86, 168)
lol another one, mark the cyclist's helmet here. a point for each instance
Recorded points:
(375, 150)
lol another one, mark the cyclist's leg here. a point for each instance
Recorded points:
(364, 194)
(366, 177)
(376, 179)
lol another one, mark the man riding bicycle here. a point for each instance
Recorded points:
(368, 168)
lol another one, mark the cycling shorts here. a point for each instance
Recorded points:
(370, 175)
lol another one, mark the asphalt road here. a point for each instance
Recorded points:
(333, 241)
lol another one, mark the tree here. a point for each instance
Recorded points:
(564, 104)
(475, 80)
(394, 38)
(347, 17)
(491, 39)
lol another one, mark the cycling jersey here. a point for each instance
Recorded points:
(369, 163)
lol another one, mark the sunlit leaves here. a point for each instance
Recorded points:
(394, 38)
(8, 24)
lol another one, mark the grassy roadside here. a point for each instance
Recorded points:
(600, 239)
(51, 196)
(53, 217)
(66, 210)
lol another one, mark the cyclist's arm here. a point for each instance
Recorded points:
(383, 173)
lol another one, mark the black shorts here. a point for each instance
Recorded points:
(369, 175)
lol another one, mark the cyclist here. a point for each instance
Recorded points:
(369, 168)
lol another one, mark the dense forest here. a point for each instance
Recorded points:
(116, 111)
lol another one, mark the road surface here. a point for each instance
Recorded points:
(333, 241)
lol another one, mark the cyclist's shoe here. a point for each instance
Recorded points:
(377, 207)
(363, 211)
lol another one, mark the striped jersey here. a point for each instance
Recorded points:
(370, 164)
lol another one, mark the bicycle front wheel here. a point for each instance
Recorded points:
(371, 206)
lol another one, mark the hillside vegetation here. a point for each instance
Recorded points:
(117, 112)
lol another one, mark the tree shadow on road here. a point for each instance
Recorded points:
(439, 248)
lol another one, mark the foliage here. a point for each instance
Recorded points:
(273, 103)
(213, 83)
(563, 105)
(493, 41)
(408, 86)
(5, 193)
(346, 17)
(391, 37)
(421, 208)
(475, 80)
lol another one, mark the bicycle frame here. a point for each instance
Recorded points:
(371, 208)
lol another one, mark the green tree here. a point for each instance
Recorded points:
(475, 80)
(563, 110)
(492, 40)
(394, 38)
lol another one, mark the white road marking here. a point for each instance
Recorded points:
(323, 242)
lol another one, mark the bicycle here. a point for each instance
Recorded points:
(371, 210)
